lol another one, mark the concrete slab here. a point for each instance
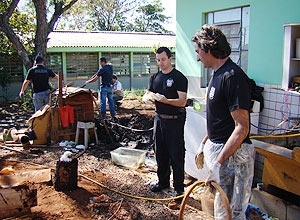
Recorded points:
(272, 205)
(293, 212)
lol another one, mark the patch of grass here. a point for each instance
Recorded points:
(134, 94)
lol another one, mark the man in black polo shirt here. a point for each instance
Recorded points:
(38, 76)
(168, 88)
(228, 151)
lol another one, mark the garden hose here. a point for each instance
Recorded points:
(275, 136)
(129, 195)
(113, 190)
(201, 183)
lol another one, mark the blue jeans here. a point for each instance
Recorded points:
(40, 99)
(107, 92)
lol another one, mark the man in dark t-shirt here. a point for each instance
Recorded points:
(168, 88)
(38, 76)
(228, 151)
(106, 88)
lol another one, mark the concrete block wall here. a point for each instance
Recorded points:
(278, 106)
(258, 168)
(274, 206)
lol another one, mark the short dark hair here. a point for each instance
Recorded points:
(103, 59)
(114, 76)
(39, 59)
(164, 49)
(211, 38)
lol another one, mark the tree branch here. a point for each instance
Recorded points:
(59, 9)
(11, 35)
(11, 8)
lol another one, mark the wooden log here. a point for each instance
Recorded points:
(19, 178)
(17, 201)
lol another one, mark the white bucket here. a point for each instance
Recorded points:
(298, 48)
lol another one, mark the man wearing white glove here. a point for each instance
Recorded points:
(147, 98)
(158, 97)
(168, 89)
(228, 152)
(214, 173)
(199, 158)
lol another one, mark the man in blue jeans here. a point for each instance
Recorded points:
(39, 77)
(106, 88)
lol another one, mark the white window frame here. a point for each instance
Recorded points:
(232, 17)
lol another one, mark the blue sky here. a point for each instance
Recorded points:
(170, 10)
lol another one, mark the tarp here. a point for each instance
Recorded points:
(39, 123)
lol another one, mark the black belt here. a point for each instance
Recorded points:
(167, 116)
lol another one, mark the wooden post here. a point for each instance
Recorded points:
(60, 80)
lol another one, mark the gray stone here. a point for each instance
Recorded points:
(268, 203)
(293, 212)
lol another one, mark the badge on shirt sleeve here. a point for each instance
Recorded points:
(170, 82)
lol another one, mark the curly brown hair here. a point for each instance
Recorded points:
(211, 38)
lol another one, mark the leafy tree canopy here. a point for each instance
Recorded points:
(115, 15)
(19, 30)
(25, 32)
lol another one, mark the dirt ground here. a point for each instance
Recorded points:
(105, 190)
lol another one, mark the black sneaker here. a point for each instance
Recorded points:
(114, 119)
(178, 196)
(158, 187)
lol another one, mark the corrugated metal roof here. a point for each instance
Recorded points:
(109, 39)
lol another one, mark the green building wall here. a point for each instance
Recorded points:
(267, 20)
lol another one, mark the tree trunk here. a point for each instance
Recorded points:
(40, 40)
(43, 28)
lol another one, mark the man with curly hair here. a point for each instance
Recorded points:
(227, 148)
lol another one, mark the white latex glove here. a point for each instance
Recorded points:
(199, 158)
(147, 98)
(200, 148)
(157, 96)
(214, 173)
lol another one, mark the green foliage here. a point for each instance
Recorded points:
(5, 79)
(134, 94)
(27, 30)
(27, 102)
(99, 15)
(151, 18)
(115, 15)
(23, 25)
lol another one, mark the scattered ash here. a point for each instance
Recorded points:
(134, 130)
(14, 115)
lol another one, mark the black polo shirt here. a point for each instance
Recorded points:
(39, 76)
(228, 90)
(168, 85)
